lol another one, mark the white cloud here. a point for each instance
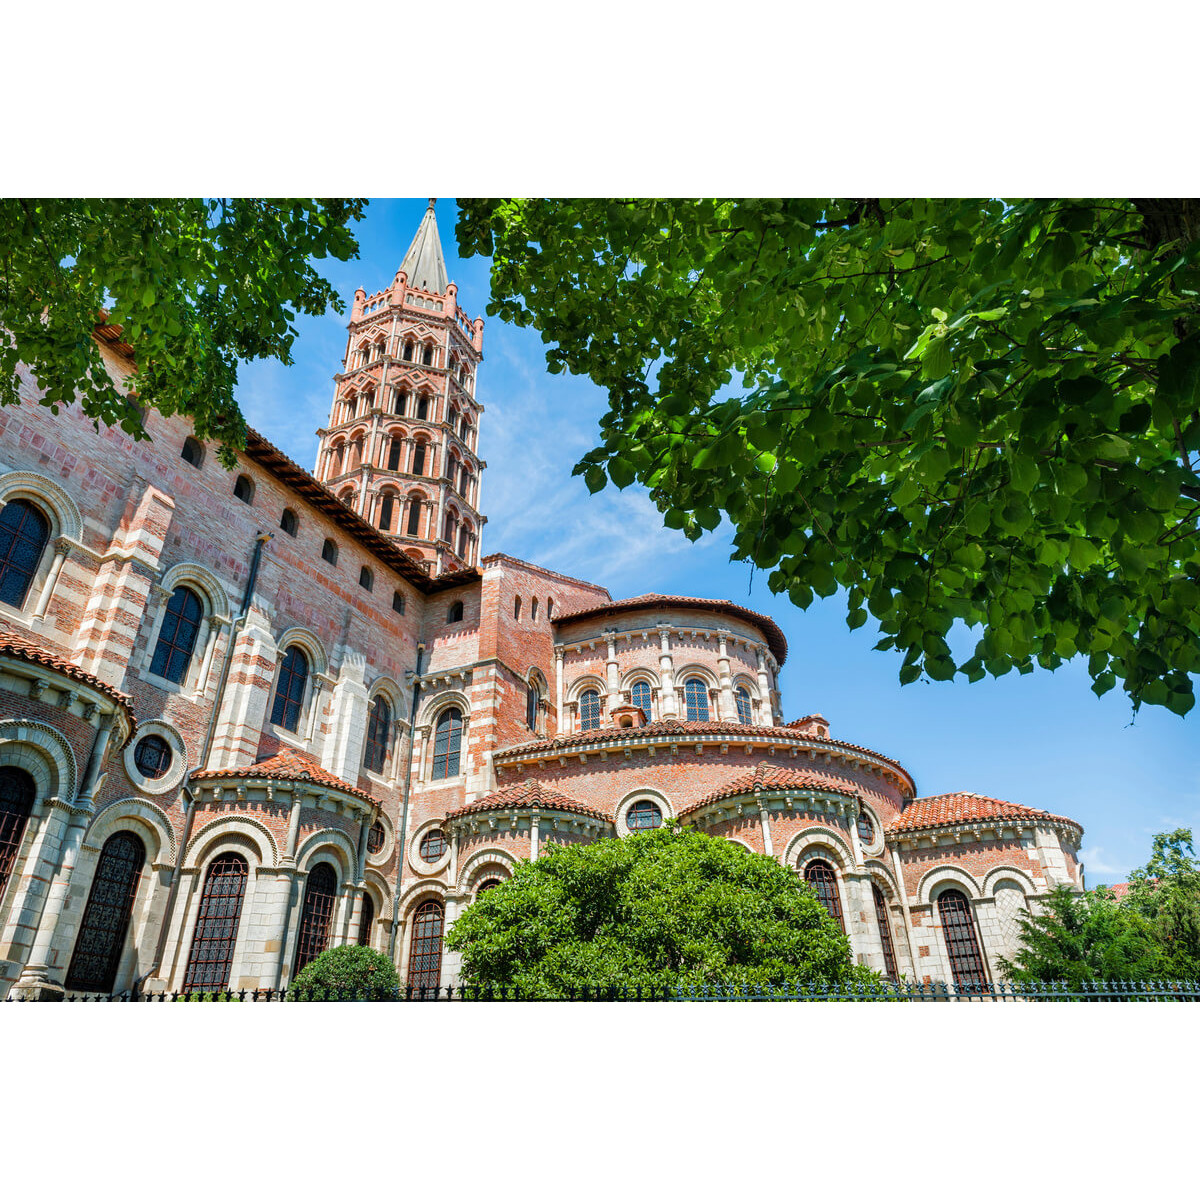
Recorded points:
(1095, 859)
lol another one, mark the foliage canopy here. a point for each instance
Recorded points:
(665, 908)
(353, 970)
(975, 411)
(196, 286)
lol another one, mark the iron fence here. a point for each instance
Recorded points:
(1110, 991)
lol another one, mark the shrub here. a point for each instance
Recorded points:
(346, 972)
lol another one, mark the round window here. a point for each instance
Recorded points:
(153, 756)
(645, 814)
(375, 838)
(433, 846)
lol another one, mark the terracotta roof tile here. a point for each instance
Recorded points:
(288, 765)
(527, 794)
(768, 777)
(961, 808)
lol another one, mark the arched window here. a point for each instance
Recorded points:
(531, 704)
(640, 695)
(418, 462)
(24, 532)
(695, 698)
(408, 351)
(378, 734)
(152, 756)
(533, 607)
(487, 885)
(367, 921)
(97, 954)
(448, 529)
(288, 522)
(447, 744)
(399, 402)
(339, 458)
(866, 830)
(962, 943)
(414, 516)
(244, 489)
(433, 846)
(192, 452)
(395, 447)
(375, 838)
(319, 895)
(386, 507)
(549, 609)
(211, 956)
(885, 933)
(398, 602)
(463, 534)
(517, 608)
(824, 882)
(744, 707)
(329, 551)
(455, 614)
(645, 814)
(289, 693)
(366, 579)
(589, 709)
(427, 356)
(17, 791)
(423, 408)
(177, 635)
(425, 950)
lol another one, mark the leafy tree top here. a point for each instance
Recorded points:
(975, 411)
(356, 971)
(665, 908)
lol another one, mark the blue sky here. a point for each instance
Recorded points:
(1042, 739)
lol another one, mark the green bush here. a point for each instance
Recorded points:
(344, 973)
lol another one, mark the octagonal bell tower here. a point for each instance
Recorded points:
(400, 447)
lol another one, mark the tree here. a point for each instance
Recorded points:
(958, 411)
(1166, 891)
(354, 971)
(1086, 937)
(664, 908)
(195, 286)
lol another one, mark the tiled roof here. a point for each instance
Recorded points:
(774, 634)
(289, 765)
(21, 646)
(961, 808)
(768, 777)
(527, 794)
(1120, 890)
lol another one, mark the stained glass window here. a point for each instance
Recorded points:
(289, 694)
(695, 696)
(24, 533)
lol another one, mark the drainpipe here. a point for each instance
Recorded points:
(412, 741)
(190, 802)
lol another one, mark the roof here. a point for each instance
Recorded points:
(20, 646)
(287, 765)
(527, 794)
(500, 557)
(1120, 890)
(961, 808)
(424, 264)
(774, 635)
(768, 777)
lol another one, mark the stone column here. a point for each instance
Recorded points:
(343, 750)
(668, 703)
(558, 688)
(210, 647)
(726, 705)
(61, 549)
(764, 689)
(611, 668)
(534, 830)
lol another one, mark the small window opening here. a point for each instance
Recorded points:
(287, 522)
(366, 579)
(329, 552)
(192, 452)
(398, 602)
(455, 614)
(244, 489)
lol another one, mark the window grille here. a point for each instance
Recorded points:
(425, 950)
(24, 532)
(885, 933)
(288, 522)
(447, 744)
(640, 694)
(244, 489)
(375, 838)
(152, 756)
(824, 882)
(329, 552)
(177, 636)
(213, 943)
(962, 944)
(289, 694)
(589, 709)
(97, 955)
(192, 452)
(695, 696)
(866, 830)
(367, 921)
(17, 791)
(487, 885)
(645, 814)
(319, 896)
(378, 733)
(744, 707)
(433, 846)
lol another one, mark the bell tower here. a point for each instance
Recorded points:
(401, 444)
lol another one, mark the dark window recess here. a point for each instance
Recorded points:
(319, 896)
(744, 707)
(329, 552)
(414, 517)
(455, 614)
(211, 956)
(531, 705)
(589, 709)
(378, 732)
(487, 885)
(533, 609)
(398, 602)
(394, 449)
(289, 695)
(24, 533)
(866, 830)
(375, 838)
(387, 509)
(962, 944)
(152, 756)
(288, 522)
(399, 402)
(447, 744)
(17, 791)
(418, 462)
(408, 351)
(97, 954)
(366, 579)
(368, 919)
(645, 814)
(427, 357)
(516, 608)
(423, 409)
(192, 452)
(433, 846)
(820, 875)
(244, 489)
(177, 636)
(640, 695)
(885, 933)
(695, 697)
(425, 950)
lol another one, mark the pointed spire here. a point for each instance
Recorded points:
(424, 264)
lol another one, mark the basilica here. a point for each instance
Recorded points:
(248, 715)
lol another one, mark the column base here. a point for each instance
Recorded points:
(36, 990)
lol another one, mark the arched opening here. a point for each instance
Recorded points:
(455, 614)
(395, 449)
(962, 942)
(192, 452)
(387, 505)
(820, 875)
(211, 956)
(329, 551)
(24, 532)
(427, 356)
(695, 698)
(243, 489)
(744, 706)
(414, 516)
(17, 792)
(378, 735)
(885, 933)
(640, 694)
(289, 694)
(447, 744)
(589, 709)
(319, 895)
(425, 949)
(367, 921)
(366, 579)
(177, 636)
(97, 955)
(288, 522)
(418, 459)
(644, 814)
